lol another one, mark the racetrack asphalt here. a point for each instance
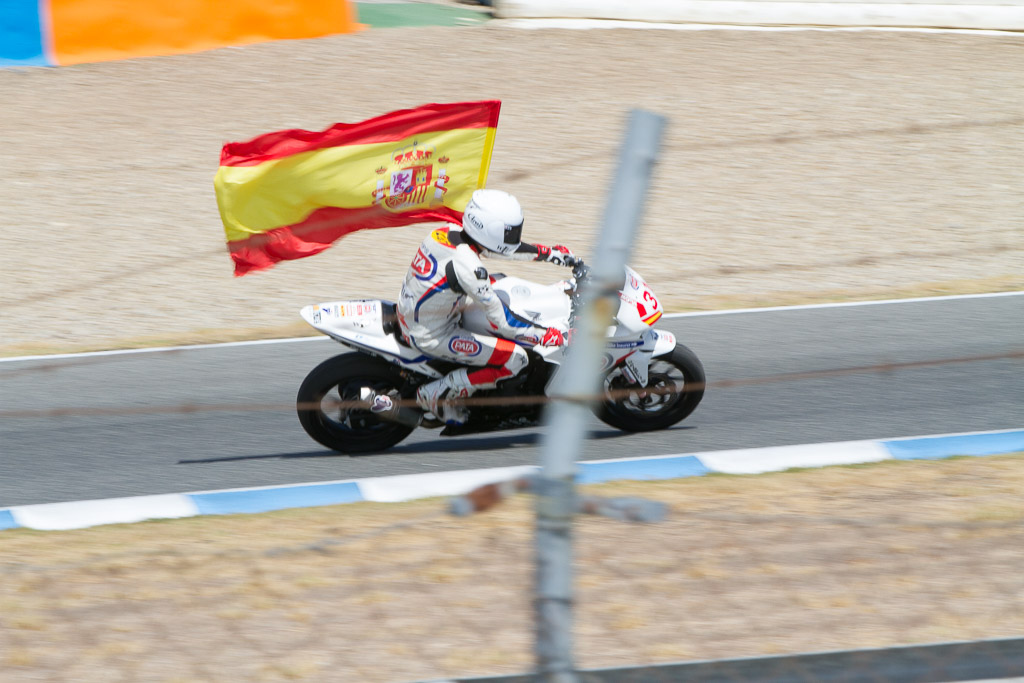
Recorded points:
(76, 457)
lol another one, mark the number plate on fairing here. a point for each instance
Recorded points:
(638, 307)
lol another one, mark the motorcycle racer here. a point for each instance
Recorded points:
(445, 273)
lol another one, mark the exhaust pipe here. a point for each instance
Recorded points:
(385, 408)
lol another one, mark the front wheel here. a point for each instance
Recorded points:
(675, 387)
(326, 398)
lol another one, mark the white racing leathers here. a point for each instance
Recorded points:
(445, 272)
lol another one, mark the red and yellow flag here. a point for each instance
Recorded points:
(292, 193)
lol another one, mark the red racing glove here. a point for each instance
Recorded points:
(558, 254)
(553, 337)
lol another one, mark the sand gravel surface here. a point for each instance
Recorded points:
(836, 558)
(797, 167)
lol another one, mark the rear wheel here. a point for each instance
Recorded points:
(326, 398)
(674, 389)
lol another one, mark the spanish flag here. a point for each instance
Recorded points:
(292, 193)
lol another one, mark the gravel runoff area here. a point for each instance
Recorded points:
(798, 166)
(836, 558)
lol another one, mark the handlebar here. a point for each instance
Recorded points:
(581, 276)
(580, 271)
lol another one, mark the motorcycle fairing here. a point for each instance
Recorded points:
(631, 345)
(549, 305)
(664, 343)
(630, 352)
(543, 305)
(639, 309)
(359, 323)
(632, 342)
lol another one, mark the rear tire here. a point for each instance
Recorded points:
(346, 429)
(680, 377)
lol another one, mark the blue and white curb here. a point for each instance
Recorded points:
(87, 513)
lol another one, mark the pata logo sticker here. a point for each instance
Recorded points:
(467, 347)
(424, 265)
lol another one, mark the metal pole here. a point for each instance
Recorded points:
(577, 380)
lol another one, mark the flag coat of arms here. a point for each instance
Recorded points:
(292, 193)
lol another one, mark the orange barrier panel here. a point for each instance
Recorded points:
(101, 30)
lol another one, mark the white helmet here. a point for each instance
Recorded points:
(494, 220)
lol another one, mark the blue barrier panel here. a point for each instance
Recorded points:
(654, 468)
(21, 35)
(935, 447)
(7, 520)
(264, 500)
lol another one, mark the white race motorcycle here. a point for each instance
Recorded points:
(365, 401)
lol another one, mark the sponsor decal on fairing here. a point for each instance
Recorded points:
(351, 309)
(528, 338)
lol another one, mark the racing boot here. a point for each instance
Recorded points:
(443, 397)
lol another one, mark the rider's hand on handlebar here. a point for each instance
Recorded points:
(580, 271)
(562, 256)
(553, 337)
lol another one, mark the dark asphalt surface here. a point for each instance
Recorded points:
(51, 459)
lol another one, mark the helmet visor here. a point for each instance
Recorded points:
(514, 234)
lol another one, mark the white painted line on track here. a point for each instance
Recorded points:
(161, 349)
(989, 432)
(692, 314)
(588, 24)
(842, 304)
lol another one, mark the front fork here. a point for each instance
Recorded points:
(635, 366)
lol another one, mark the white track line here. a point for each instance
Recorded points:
(842, 304)
(588, 24)
(767, 309)
(160, 349)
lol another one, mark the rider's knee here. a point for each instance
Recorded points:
(518, 361)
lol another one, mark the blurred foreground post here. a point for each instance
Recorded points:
(575, 385)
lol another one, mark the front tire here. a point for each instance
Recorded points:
(677, 381)
(339, 426)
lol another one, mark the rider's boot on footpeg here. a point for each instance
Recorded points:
(443, 397)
